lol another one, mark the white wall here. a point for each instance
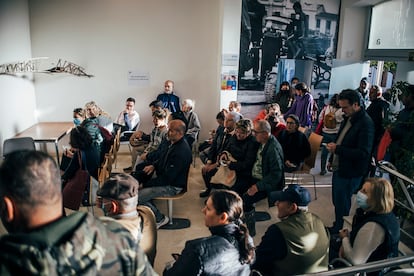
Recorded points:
(17, 97)
(178, 40)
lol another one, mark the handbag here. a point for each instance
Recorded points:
(224, 175)
(74, 189)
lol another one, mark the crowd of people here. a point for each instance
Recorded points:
(43, 240)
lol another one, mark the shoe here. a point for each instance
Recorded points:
(163, 222)
(128, 170)
(322, 173)
(206, 193)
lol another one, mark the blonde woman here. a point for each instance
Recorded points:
(375, 230)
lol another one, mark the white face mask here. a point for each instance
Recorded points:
(362, 200)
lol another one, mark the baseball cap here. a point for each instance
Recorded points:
(120, 186)
(293, 193)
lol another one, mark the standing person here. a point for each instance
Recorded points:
(378, 110)
(81, 148)
(129, 117)
(168, 99)
(352, 154)
(228, 251)
(284, 98)
(193, 123)
(256, 13)
(302, 106)
(286, 247)
(363, 92)
(375, 229)
(331, 117)
(268, 172)
(171, 170)
(42, 241)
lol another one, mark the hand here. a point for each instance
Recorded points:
(208, 167)
(343, 233)
(148, 169)
(144, 156)
(331, 147)
(252, 190)
(290, 164)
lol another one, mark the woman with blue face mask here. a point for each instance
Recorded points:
(78, 116)
(375, 230)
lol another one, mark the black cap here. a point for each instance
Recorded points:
(293, 193)
(120, 186)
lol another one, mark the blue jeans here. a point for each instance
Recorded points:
(146, 195)
(342, 191)
(327, 138)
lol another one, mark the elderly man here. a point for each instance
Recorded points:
(299, 243)
(268, 171)
(41, 241)
(168, 99)
(219, 144)
(171, 170)
(118, 199)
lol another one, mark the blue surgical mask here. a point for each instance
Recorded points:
(77, 121)
(362, 200)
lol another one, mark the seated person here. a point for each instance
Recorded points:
(218, 145)
(78, 116)
(128, 119)
(139, 140)
(228, 251)
(171, 169)
(299, 243)
(205, 147)
(243, 148)
(158, 134)
(168, 99)
(81, 144)
(267, 172)
(375, 229)
(295, 144)
(272, 114)
(234, 106)
(42, 241)
(193, 123)
(118, 198)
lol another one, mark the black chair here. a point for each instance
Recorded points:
(15, 144)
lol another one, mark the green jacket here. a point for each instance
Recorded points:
(78, 244)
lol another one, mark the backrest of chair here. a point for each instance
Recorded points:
(148, 242)
(21, 143)
(105, 169)
(315, 142)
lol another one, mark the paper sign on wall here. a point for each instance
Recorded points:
(138, 78)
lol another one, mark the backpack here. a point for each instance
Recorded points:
(329, 120)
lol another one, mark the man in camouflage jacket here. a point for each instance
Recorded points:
(43, 241)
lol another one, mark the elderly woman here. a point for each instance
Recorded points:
(243, 148)
(193, 123)
(375, 230)
(228, 251)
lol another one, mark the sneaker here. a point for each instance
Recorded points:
(128, 170)
(162, 222)
(206, 193)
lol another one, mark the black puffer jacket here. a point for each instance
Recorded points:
(214, 255)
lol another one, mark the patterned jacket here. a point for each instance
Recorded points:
(78, 244)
